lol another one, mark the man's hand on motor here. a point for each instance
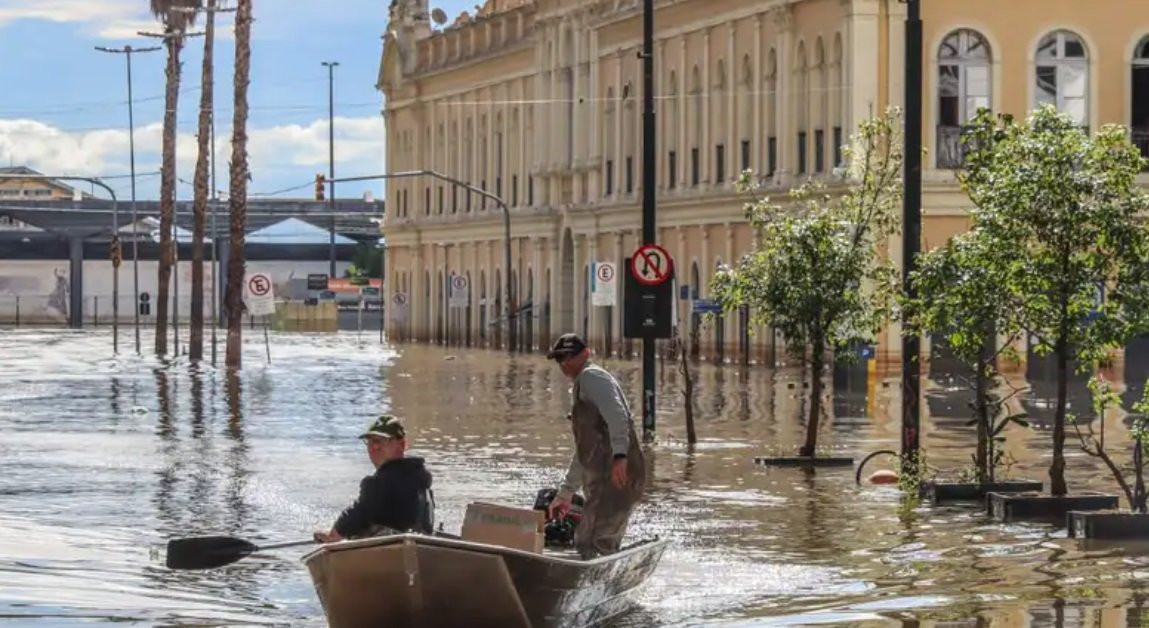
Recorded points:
(559, 507)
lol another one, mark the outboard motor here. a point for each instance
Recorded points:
(560, 532)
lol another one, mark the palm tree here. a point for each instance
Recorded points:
(206, 114)
(175, 24)
(237, 192)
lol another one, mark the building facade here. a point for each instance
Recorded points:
(538, 102)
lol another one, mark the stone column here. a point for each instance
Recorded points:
(757, 98)
(684, 102)
(733, 152)
(705, 146)
(783, 20)
(859, 68)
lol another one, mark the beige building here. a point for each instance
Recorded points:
(17, 185)
(539, 103)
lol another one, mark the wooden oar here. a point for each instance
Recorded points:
(209, 552)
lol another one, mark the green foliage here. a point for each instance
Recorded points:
(1093, 444)
(813, 272)
(1057, 211)
(959, 298)
(1056, 217)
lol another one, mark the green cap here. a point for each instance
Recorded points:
(385, 426)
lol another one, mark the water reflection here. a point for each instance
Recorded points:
(271, 453)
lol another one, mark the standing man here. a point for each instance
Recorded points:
(608, 463)
(396, 498)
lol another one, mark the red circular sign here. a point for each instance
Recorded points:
(605, 273)
(651, 265)
(259, 285)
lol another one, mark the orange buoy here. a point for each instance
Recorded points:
(884, 476)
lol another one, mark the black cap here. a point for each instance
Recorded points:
(385, 426)
(566, 346)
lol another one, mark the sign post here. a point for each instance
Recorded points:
(259, 299)
(398, 311)
(460, 291)
(648, 314)
(604, 285)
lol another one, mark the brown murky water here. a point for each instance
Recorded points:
(102, 460)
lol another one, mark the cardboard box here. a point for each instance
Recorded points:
(516, 528)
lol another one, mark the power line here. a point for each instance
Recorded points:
(68, 108)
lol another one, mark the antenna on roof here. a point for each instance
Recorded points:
(439, 16)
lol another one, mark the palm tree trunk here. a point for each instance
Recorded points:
(201, 183)
(174, 43)
(237, 265)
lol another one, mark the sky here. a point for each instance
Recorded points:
(63, 106)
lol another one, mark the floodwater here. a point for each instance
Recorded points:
(103, 459)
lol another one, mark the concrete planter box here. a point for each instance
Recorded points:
(1107, 525)
(804, 461)
(940, 492)
(1036, 506)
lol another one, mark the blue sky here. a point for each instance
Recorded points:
(63, 107)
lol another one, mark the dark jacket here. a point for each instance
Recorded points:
(397, 496)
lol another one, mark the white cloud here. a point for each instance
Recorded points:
(279, 155)
(106, 19)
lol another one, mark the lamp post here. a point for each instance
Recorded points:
(511, 315)
(127, 51)
(912, 234)
(331, 65)
(649, 233)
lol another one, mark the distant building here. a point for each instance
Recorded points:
(31, 189)
(35, 189)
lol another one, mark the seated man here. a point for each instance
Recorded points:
(397, 498)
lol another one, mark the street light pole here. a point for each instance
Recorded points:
(507, 259)
(330, 65)
(912, 234)
(127, 51)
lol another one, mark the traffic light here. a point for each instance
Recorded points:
(320, 186)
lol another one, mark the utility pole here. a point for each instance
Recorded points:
(128, 51)
(330, 65)
(648, 210)
(912, 235)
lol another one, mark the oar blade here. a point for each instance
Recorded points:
(206, 552)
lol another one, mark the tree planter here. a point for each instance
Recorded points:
(1107, 524)
(804, 461)
(1036, 506)
(944, 492)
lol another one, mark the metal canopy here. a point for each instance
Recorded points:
(92, 218)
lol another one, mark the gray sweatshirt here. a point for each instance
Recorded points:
(599, 388)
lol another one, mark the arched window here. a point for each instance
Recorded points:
(608, 134)
(670, 132)
(630, 126)
(820, 89)
(801, 106)
(1062, 75)
(772, 113)
(964, 60)
(1140, 121)
(695, 126)
(837, 99)
(745, 112)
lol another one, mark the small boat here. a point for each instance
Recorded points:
(443, 581)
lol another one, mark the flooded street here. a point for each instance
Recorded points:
(103, 460)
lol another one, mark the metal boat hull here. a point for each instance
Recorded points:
(415, 580)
